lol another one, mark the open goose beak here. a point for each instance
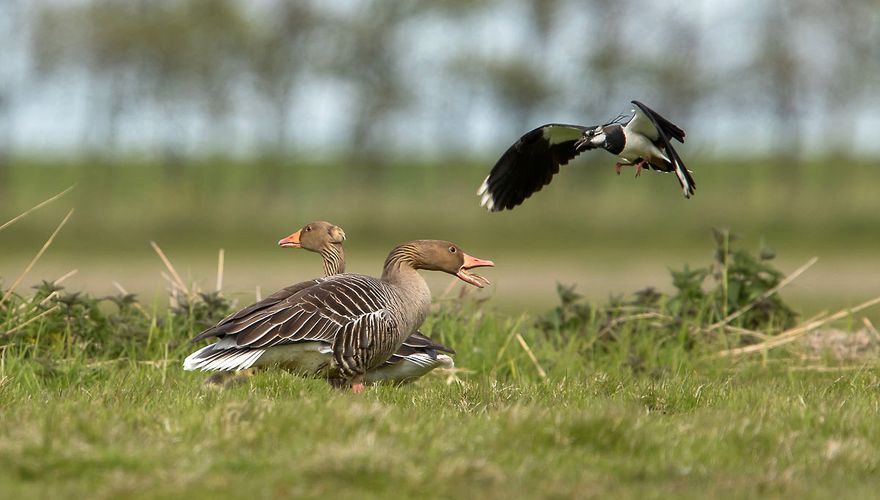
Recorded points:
(291, 241)
(473, 279)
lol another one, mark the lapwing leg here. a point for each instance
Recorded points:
(617, 167)
(639, 165)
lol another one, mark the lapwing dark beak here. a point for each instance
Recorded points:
(585, 140)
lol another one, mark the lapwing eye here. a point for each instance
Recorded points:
(452, 249)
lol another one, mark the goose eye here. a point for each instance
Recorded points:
(452, 249)
(308, 228)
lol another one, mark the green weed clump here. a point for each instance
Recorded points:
(734, 289)
(53, 325)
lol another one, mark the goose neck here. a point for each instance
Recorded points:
(334, 259)
(401, 263)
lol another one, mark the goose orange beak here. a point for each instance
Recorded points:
(291, 241)
(471, 278)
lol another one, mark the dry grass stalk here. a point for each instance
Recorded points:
(633, 317)
(173, 284)
(165, 365)
(26, 323)
(35, 207)
(120, 288)
(70, 273)
(105, 362)
(450, 375)
(793, 334)
(739, 312)
(49, 298)
(870, 327)
(829, 369)
(532, 356)
(157, 363)
(220, 262)
(746, 331)
(513, 331)
(36, 258)
(177, 280)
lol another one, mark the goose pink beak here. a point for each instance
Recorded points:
(470, 278)
(291, 241)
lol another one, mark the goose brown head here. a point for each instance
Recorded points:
(439, 255)
(314, 236)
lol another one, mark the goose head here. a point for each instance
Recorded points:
(314, 236)
(439, 255)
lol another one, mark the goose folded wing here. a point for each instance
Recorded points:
(418, 340)
(313, 314)
(419, 349)
(417, 343)
(529, 164)
(256, 309)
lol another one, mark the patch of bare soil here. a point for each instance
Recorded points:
(841, 345)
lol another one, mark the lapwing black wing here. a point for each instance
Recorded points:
(530, 163)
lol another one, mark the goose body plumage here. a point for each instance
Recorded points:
(355, 317)
(340, 326)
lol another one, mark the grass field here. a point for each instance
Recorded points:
(128, 431)
(605, 398)
(645, 415)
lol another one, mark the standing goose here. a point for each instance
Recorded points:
(418, 354)
(360, 320)
(529, 164)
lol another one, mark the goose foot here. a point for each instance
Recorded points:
(218, 379)
(227, 380)
(357, 388)
(237, 380)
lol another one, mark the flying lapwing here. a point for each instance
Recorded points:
(644, 141)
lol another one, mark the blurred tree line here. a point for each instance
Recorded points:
(386, 78)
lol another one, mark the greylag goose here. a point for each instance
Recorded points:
(418, 354)
(361, 320)
(529, 164)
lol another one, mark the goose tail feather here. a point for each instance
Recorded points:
(212, 358)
